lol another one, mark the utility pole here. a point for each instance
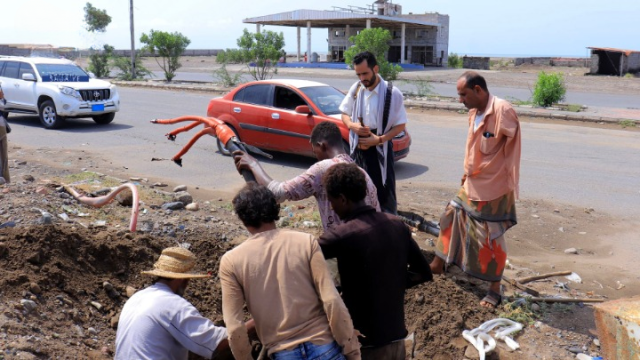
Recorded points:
(133, 44)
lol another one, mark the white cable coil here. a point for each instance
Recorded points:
(478, 336)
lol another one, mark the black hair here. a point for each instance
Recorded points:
(256, 205)
(472, 79)
(365, 55)
(346, 179)
(326, 131)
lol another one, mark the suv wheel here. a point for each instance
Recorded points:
(49, 116)
(104, 118)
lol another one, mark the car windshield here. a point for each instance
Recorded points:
(61, 73)
(327, 98)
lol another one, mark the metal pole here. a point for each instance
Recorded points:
(308, 42)
(133, 44)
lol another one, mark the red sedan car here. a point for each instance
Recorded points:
(278, 115)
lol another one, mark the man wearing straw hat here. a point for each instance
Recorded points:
(282, 277)
(158, 323)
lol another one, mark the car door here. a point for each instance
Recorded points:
(290, 131)
(27, 94)
(250, 108)
(10, 84)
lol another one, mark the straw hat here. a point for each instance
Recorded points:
(175, 263)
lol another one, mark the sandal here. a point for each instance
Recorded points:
(492, 298)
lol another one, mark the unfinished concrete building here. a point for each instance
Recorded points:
(609, 61)
(417, 39)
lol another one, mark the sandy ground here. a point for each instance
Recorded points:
(69, 264)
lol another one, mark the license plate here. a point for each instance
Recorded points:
(97, 107)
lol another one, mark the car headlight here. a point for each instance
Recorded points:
(113, 91)
(70, 91)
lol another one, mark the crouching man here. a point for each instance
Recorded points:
(283, 278)
(158, 323)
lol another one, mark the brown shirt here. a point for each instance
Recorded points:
(492, 158)
(283, 278)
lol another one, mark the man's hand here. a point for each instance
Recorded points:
(369, 141)
(244, 161)
(464, 178)
(362, 131)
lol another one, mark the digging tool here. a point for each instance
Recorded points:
(525, 280)
(518, 285)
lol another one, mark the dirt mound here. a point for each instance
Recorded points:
(62, 269)
(438, 312)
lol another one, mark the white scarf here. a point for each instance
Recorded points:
(358, 111)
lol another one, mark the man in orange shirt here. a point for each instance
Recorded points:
(473, 224)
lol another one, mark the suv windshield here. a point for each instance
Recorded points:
(61, 73)
(327, 98)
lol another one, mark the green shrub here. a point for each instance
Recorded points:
(227, 80)
(423, 86)
(376, 41)
(99, 61)
(124, 65)
(454, 61)
(549, 89)
(229, 56)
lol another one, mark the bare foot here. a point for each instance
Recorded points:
(493, 298)
(437, 266)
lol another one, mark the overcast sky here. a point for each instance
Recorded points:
(494, 27)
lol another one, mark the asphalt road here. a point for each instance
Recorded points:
(572, 97)
(582, 166)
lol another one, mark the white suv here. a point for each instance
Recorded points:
(55, 89)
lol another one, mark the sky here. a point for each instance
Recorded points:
(490, 27)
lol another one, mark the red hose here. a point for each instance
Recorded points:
(216, 127)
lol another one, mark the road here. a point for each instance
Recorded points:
(592, 99)
(583, 166)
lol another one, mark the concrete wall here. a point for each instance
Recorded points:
(552, 61)
(571, 62)
(633, 63)
(595, 60)
(478, 63)
(72, 54)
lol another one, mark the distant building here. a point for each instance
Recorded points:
(417, 39)
(609, 61)
(26, 49)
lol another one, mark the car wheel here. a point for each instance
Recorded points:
(223, 150)
(49, 116)
(104, 118)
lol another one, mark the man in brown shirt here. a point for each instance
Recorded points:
(283, 278)
(473, 225)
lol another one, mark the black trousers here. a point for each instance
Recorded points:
(368, 160)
